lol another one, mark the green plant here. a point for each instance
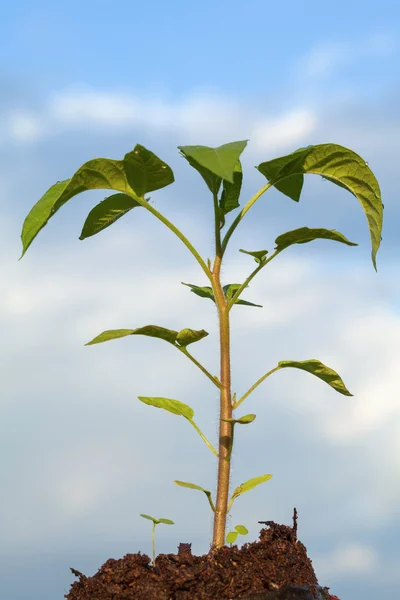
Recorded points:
(232, 535)
(156, 522)
(141, 172)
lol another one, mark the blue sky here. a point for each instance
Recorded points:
(81, 456)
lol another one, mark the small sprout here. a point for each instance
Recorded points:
(156, 522)
(232, 535)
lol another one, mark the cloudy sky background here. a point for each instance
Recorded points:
(81, 456)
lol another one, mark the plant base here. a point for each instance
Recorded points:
(274, 568)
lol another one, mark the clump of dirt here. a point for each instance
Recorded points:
(274, 568)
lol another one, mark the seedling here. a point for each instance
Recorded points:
(232, 535)
(141, 172)
(156, 522)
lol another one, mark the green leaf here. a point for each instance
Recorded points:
(241, 529)
(173, 406)
(214, 164)
(203, 292)
(337, 164)
(317, 368)
(138, 173)
(166, 521)
(250, 484)
(259, 255)
(106, 213)
(193, 486)
(183, 337)
(230, 193)
(189, 336)
(231, 537)
(242, 420)
(304, 235)
(157, 521)
(231, 289)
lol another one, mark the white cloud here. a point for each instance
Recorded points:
(347, 560)
(203, 117)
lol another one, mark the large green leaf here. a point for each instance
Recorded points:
(317, 368)
(138, 173)
(337, 164)
(173, 406)
(214, 164)
(304, 235)
(106, 213)
(183, 337)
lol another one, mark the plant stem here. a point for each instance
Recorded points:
(175, 230)
(186, 353)
(253, 387)
(153, 543)
(241, 215)
(225, 428)
(203, 437)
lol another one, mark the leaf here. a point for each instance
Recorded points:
(166, 521)
(259, 255)
(183, 337)
(189, 336)
(242, 420)
(250, 484)
(230, 193)
(231, 289)
(241, 529)
(138, 173)
(193, 486)
(150, 518)
(214, 164)
(203, 292)
(317, 368)
(106, 213)
(304, 235)
(231, 537)
(173, 406)
(337, 164)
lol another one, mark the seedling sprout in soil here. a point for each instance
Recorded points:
(156, 522)
(141, 172)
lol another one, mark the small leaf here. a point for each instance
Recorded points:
(189, 336)
(317, 368)
(138, 173)
(193, 486)
(259, 255)
(250, 484)
(304, 235)
(106, 213)
(166, 521)
(173, 406)
(241, 529)
(150, 518)
(214, 164)
(231, 537)
(337, 164)
(231, 289)
(203, 292)
(230, 193)
(242, 420)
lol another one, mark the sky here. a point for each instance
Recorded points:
(81, 457)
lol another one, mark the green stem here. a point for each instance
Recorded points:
(175, 230)
(217, 227)
(213, 379)
(203, 437)
(253, 387)
(153, 543)
(241, 215)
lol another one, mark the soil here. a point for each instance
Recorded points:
(274, 568)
